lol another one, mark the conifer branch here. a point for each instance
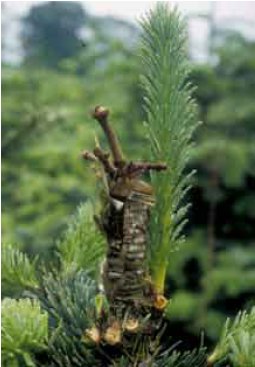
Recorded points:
(18, 272)
(82, 246)
(69, 300)
(24, 331)
(171, 121)
(237, 341)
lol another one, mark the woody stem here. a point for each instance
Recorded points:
(101, 115)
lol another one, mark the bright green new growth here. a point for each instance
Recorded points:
(18, 272)
(171, 121)
(24, 331)
(237, 341)
(82, 246)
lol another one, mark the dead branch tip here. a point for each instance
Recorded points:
(88, 156)
(100, 113)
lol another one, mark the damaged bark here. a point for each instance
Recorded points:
(124, 222)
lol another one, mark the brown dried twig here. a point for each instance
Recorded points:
(118, 168)
(101, 115)
(104, 159)
(133, 169)
(89, 156)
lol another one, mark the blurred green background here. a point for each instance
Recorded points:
(73, 60)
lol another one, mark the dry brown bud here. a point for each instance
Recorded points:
(131, 325)
(100, 113)
(89, 156)
(92, 334)
(113, 334)
(160, 302)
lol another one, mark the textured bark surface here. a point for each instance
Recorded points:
(125, 223)
(125, 269)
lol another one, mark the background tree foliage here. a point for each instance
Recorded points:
(52, 32)
(46, 123)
